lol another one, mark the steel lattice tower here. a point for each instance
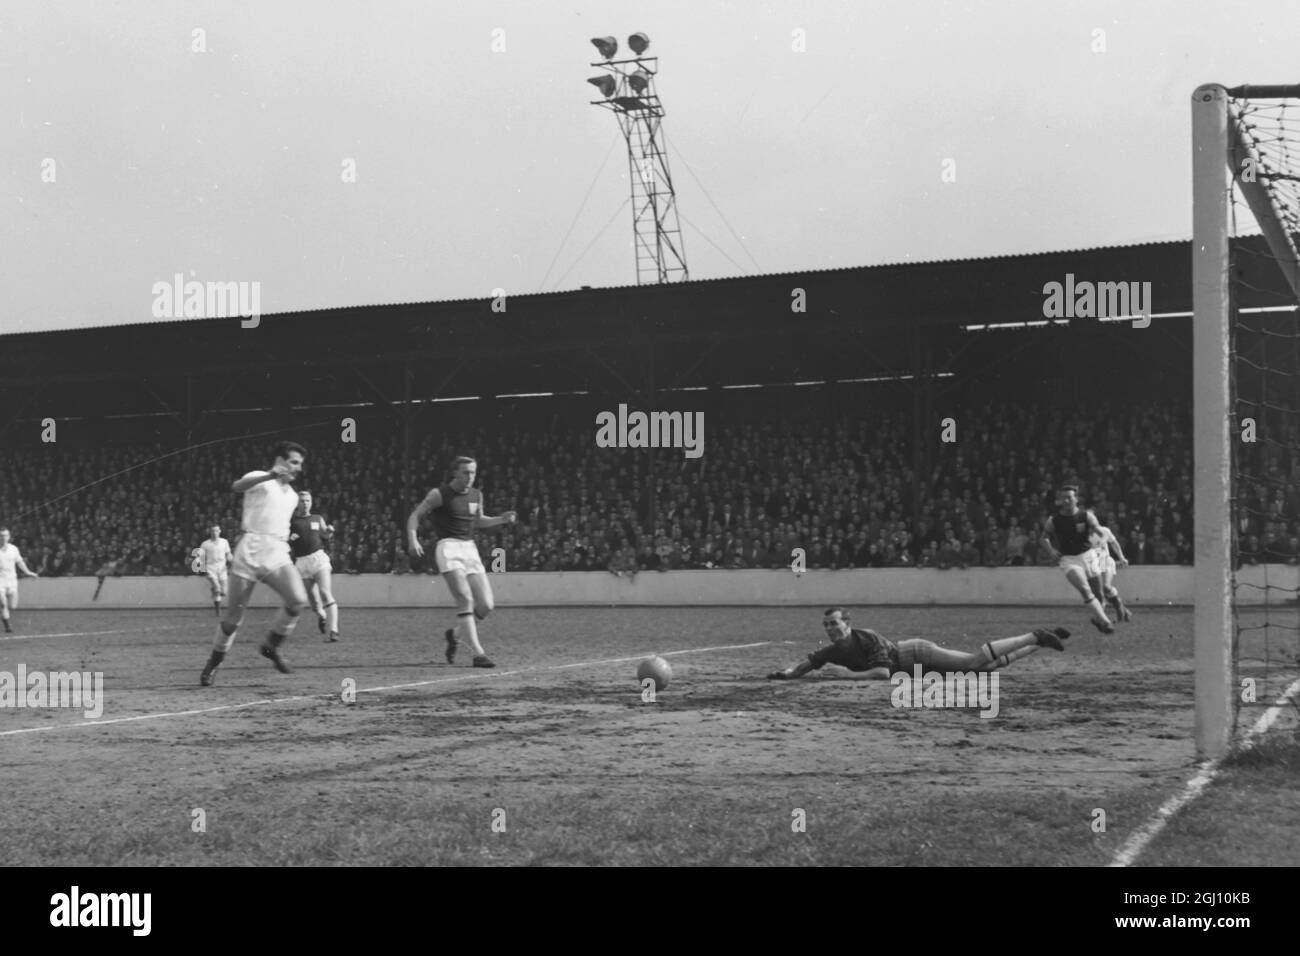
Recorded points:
(629, 90)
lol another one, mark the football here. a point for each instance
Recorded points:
(657, 670)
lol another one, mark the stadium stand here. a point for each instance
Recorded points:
(838, 487)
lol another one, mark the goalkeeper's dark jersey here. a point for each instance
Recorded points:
(865, 650)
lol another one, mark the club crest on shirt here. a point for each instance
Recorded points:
(473, 507)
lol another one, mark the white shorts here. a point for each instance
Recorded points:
(1098, 563)
(218, 580)
(457, 554)
(10, 591)
(257, 555)
(310, 566)
(1075, 561)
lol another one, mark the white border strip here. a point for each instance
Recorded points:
(1204, 777)
(371, 690)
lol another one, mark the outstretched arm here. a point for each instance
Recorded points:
(21, 565)
(793, 671)
(876, 673)
(1112, 542)
(482, 520)
(432, 500)
(257, 477)
(805, 666)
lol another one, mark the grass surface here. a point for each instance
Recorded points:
(554, 759)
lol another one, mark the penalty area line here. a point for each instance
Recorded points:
(560, 667)
(365, 690)
(1205, 775)
(125, 630)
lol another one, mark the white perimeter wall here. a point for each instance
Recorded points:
(1031, 586)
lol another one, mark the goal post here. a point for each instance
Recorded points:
(1211, 412)
(1243, 140)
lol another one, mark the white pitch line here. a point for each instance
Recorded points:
(1205, 775)
(128, 630)
(641, 657)
(364, 690)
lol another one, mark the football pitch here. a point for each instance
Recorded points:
(554, 758)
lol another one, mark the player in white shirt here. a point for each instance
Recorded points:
(262, 554)
(213, 559)
(11, 563)
(1100, 566)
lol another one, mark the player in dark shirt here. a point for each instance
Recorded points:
(1072, 528)
(113, 567)
(457, 508)
(872, 657)
(308, 534)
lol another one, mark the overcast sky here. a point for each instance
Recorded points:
(472, 164)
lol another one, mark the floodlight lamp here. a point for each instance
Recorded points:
(639, 81)
(607, 46)
(638, 42)
(605, 83)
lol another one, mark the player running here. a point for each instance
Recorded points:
(112, 567)
(11, 564)
(872, 657)
(307, 536)
(1066, 535)
(262, 554)
(1101, 570)
(457, 509)
(214, 561)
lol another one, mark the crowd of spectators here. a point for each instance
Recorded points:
(840, 486)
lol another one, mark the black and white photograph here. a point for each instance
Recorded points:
(692, 434)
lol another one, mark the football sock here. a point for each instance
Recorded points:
(1002, 647)
(225, 637)
(467, 630)
(1011, 656)
(332, 616)
(1098, 614)
(283, 624)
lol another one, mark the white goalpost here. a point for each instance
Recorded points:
(1241, 150)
